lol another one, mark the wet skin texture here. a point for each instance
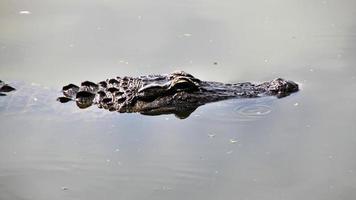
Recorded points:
(177, 93)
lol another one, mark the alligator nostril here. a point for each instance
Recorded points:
(292, 86)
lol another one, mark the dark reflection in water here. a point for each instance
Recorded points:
(299, 147)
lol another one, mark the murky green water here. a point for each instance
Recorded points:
(299, 147)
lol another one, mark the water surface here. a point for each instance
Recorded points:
(299, 147)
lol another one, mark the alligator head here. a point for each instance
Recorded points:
(179, 93)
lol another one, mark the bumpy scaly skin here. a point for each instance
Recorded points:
(179, 93)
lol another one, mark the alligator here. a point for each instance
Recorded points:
(178, 93)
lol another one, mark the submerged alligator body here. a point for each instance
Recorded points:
(177, 93)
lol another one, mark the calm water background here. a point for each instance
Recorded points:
(299, 147)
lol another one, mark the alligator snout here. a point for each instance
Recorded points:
(282, 88)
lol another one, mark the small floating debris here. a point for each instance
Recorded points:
(117, 150)
(24, 12)
(211, 135)
(296, 104)
(215, 63)
(232, 141)
(65, 188)
(166, 188)
(229, 152)
(187, 34)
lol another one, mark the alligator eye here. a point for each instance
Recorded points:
(181, 83)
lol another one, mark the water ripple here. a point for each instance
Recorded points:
(241, 110)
